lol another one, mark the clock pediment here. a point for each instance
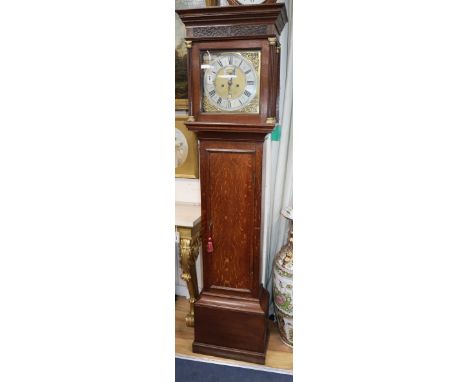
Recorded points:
(264, 20)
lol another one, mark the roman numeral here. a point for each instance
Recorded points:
(248, 71)
(230, 60)
(220, 63)
(250, 82)
(240, 63)
(247, 93)
(219, 101)
(212, 93)
(229, 104)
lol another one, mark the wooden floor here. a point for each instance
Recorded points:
(279, 356)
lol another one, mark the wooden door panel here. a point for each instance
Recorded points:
(230, 216)
(230, 200)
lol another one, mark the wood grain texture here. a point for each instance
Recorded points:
(232, 326)
(231, 131)
(231, 182)
(231, 190)
(234, 333)
(273, 79)
(278, 355)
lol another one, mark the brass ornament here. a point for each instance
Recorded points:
(252, 107)
(254, 58)
(272, 40)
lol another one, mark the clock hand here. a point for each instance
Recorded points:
(229, 86)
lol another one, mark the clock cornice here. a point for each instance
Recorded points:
(252, 21)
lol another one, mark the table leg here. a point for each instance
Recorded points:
(188, 256)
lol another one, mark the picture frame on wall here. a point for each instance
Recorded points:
(186, 150)
(181, 79)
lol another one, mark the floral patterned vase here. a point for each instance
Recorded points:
(283, 285)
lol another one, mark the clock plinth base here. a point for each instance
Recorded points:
(232, 353)
(232, 327)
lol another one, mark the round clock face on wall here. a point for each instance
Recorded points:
(181, 148)
(231, 82)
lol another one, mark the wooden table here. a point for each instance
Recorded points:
(187, 222)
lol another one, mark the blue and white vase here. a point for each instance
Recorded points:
(283, 285)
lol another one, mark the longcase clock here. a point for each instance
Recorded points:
(233, 70)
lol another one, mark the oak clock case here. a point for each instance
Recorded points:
(233, 70)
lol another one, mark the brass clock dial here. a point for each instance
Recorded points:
(231, 82)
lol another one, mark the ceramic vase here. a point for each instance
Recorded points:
(283, 285)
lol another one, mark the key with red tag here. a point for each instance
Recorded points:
(209, 247)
